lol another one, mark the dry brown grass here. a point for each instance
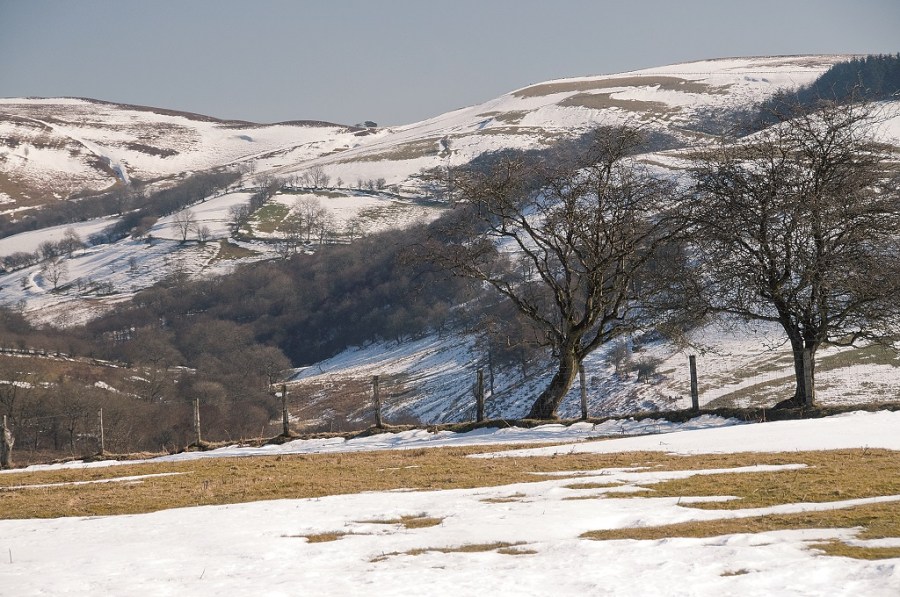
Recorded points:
(828, 476)
(229, 251)
(663, 82)
(409, 521)
(510, 117)
(506, 499)
(839, 548)
(875, 521)
(404, 151)
(236, 480)
(602, 101)
(498, 546)
(592, 485)
(321, 537)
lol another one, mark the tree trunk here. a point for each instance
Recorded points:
(546, 404)
(800, 374)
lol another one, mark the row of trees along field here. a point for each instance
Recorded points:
(135, 203)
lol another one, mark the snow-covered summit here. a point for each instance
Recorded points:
(55, 147)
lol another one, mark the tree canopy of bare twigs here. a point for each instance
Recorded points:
(184, 223)
(566, 240)
(799, 225)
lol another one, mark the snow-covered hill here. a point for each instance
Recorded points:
(53, 148)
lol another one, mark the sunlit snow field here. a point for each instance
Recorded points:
(261, 548)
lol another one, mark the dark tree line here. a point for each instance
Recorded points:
(868, 79)
(310, 306)
(191, 190)
(128, 200)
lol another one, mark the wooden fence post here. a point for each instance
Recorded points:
(6, 443)
(197, 420)
(479, 396)
(285, 422)
(695, 392)
(377, 399)
(584, 407)
(102, 436)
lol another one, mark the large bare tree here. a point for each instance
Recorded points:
(184, 222)
(311, 214)
(799, 225)
(565, 240)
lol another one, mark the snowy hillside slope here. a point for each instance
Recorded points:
(50, 148)
(679, 100)
(432, 380)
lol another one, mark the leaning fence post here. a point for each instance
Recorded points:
(102, 437)
(479, 396)
(695, 392)
(584, 406)
(285, 423)
(6, 444)
(197, 420)
(377, 399)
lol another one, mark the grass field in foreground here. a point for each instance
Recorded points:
(828, 476)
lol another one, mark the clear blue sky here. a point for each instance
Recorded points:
(391, 61)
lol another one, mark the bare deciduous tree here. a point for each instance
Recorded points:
(797, 226)
(311, 213)
(239, 216)
(184, 222)
(566, 241)
(292, 229)
(55, 270)
(70, 242)
(354, 229)
(317, 177)
(203, 233)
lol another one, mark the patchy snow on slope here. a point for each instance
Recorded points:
(213, 213)
(262, 548)
(30, 241)
(739, 364)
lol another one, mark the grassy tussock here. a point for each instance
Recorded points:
(839, 548)
(498, 546)
(322, 537)
(410, 521)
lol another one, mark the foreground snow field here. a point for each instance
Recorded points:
(260, 548)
